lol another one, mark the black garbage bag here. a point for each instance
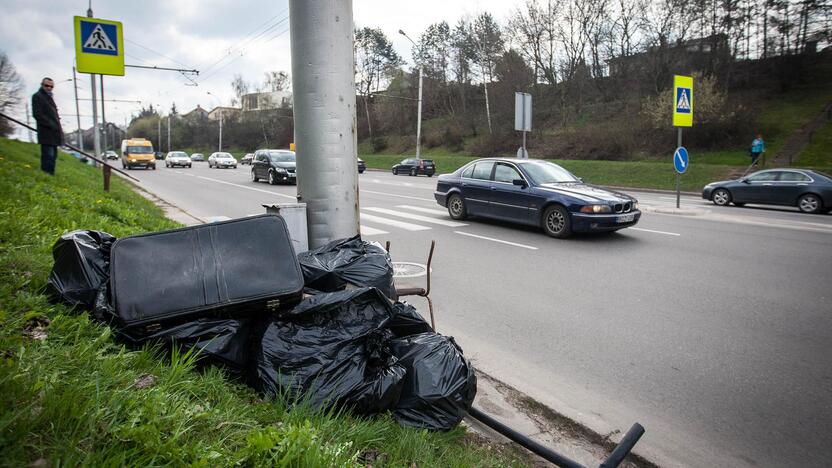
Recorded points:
(348, 261)
(218, 340)
(82, 265)
(407, 321)
(440, 385)
(333, 349)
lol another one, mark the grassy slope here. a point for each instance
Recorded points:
(818, 153)
(71, 398)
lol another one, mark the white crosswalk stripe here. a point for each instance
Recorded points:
(424, 210)
(415, 217)
(368, 231)
(392, 222)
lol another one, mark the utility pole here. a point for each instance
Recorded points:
(103, 118)
(168, 132)
(96, 135)
(419, 111)
(220, 145)
(77, 110)
(159, 131)
(323, 85)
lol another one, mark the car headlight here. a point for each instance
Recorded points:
(635, 204)
(132, 159)
(596, 209)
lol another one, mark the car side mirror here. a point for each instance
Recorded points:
(519, 182)
(745, 181)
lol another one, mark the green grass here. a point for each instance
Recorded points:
(636, 174)
(818, 153)
(784, 114)
(71, 398)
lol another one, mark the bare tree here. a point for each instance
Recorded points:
(375, 59)
(240, 87)
(487, 44)
(276, 81)
(534, 27)
(10, 88)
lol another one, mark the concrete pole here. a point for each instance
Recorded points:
(219, 147)
(80, 141)
(419, 119)
(168, 132)
(323, 86)
(159, 133)
(103, 118)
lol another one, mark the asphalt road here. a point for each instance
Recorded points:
(712, 330)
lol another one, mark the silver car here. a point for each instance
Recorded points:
(177, 158)
(221, 159)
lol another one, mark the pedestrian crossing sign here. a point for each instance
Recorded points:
(99, 46)
(682, 101)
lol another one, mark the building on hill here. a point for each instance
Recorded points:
(227, 113)
(694, 54)
(197, 114)
(267, 100)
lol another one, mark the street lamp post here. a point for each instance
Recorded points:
(419, 111)
(219, 147)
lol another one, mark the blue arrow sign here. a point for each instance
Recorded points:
(680, 160)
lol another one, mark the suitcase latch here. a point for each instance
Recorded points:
(273, 304)
(153, 327)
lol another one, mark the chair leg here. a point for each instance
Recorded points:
(430, 307)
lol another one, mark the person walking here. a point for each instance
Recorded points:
(50, 133)
(758, 147)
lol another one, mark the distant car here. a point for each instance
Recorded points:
(222, 159)
(159, 155)
(247, 158)
(178, 158)
(415, 166)
(274, 166)
(362, 166)
(110, 154)
(810, 191)
(197, 157)
(534, 192)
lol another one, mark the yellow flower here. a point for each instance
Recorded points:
(98, 201)
(27, 166)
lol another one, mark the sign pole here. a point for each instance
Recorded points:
(678, 176)
(77, 110)
(96, 135)
(103, 118)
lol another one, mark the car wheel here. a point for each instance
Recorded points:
(721, 197)
(235, 167)
(430, 175)
(190, 166)
(556, 222)
(360, 172)
(395, 172)
(413, 173)
(153, 167)
(254, 177)
(272, 178)
(167, 165)
(456, 207)
(809, 203)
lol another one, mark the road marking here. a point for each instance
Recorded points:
(424, 210)
(656, 232)
(368, 231)
(394, 223)
(396, 195)
(403, 184)
(415, 217)
(496, 240)
(249, 188)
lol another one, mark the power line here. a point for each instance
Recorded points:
(251, 32)
(157, 53)
(242, 52)
(244, 43)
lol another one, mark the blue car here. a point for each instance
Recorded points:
(536, 193)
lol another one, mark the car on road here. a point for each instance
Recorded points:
(362, 166)
(274, 166)
(247, 159)
(137, 152)
(536, 193)
(198, 157)
(159, 155)
(221, 159)
(810, 191)
(178, 158)
(110, 154)
(415, 166)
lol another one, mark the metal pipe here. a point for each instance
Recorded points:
(623, 448)
(323, 86)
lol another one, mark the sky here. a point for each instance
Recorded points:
(220, 38)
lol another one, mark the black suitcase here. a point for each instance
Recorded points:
(232, 268)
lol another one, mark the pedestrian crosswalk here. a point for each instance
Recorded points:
(375, 220)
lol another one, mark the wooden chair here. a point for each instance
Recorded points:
(417, 291)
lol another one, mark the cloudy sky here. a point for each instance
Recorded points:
(220, 38)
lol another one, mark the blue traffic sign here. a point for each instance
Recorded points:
(99, 38)
(680, 160)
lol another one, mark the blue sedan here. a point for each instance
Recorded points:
(536, 193)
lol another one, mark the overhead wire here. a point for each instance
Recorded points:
(246, 41)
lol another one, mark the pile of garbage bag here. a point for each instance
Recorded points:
(349, 344)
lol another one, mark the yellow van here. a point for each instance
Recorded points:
(137, 152)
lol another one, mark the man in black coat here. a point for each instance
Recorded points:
(50, 133)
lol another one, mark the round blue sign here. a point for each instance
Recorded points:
(680, 160)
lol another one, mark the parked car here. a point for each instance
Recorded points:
(178, 158)
(274, 166)
(534, 192)
(247, 159)
(110, 154)
(159, 155)
(197, 157)
(415, 166)
(362, 166)
(222, 159)
(810, 191)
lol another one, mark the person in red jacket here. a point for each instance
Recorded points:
(50, 133)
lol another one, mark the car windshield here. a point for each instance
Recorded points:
(222, 155)
(548, 173)
(178, 154)
(140, 149)
(278, 156)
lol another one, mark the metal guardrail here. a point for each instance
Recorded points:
(106, 167)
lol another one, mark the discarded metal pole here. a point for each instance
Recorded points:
(323, 86)
(678, 176)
